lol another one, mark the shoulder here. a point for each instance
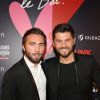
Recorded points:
(51, 60)
(13, 70)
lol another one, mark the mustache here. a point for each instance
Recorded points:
(64, 48)
(37, 54)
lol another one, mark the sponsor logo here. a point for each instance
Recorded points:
(2, 35)
(2, 69)
(4, 52)
(85, 52)
(82, 37)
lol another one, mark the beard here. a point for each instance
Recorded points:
(36, 59)
(64, 52)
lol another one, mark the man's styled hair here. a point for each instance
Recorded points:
(63, 27)
(36, 31)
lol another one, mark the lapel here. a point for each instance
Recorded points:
(25, 67)
(43, 68)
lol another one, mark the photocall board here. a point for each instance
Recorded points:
(17, 16)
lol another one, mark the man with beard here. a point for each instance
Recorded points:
(69, 75)
(26, 79)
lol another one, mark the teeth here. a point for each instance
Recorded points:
(64, 49)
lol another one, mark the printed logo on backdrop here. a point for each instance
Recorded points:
(91, 37)
(2, 69)
(4, 49)
(42, 4)
(80, 37)
(2, 35)
(84, 51)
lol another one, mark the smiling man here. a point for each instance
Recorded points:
(70, 76)
(26, 79)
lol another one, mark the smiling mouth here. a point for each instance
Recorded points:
(64, 49)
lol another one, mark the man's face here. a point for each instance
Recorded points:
(34, 47)
(64, 44)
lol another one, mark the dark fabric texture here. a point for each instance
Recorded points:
(18, 83)
(81, 88)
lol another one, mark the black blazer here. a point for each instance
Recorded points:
(18, 83)
(87, 72)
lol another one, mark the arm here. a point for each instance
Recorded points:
(8, 88)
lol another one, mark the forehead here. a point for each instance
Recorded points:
(35, 38)
(63, 35)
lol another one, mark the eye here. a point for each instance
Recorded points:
(58, 41)
(33, 44)
(68, 40)
(42, 44)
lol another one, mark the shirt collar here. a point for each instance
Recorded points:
(29, 63)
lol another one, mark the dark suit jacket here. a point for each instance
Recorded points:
(87, 72)
(18, 83)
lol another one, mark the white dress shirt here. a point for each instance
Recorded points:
(39, 77)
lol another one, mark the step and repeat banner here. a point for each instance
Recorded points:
(17, 16)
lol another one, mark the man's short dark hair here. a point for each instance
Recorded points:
(63, 27)
(36, 31)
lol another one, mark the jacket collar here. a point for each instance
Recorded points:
(25, 67)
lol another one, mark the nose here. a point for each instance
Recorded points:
(37, 48)
(63, 44)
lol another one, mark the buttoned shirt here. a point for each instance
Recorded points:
(38, 76)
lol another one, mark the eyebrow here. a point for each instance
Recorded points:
(64, 39)
(39, 43)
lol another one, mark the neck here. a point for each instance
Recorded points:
(68, 59)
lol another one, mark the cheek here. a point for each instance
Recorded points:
(73, 43)
(29, 50)
(56, 45)
(42, 50)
